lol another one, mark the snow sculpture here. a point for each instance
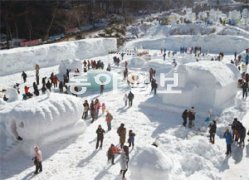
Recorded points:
(11, 94)
(204, 85)
(40, 120)
(150, 163)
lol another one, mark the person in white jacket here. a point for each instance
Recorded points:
(124, 159)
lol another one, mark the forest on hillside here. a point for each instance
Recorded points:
(40, 19)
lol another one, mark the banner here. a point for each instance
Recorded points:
(31, 43)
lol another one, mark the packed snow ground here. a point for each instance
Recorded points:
(182, 153)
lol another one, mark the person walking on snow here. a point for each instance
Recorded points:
(130, 97)
(244, 90)
(124, 160)
(191, 117)
(229, 140)
(108, 120)
(131, 138)
(212, 131)
(24, 76)
(61, 86)
(122, 134)
(153, 86)
(100, 137)
(97, 108)
(111, 153)
(37, 160)
(185, 117)
(86, 109)
(103, 108)
(92, 111)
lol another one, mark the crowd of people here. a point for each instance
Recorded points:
(120, 149)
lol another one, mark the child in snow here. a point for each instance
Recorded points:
(103, 108)
(111, 153)
(37, 160)
(131, 138)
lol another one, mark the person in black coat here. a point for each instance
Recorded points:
(100, 136)
(49, 85)
(153, 86)
(130, 98)
(185, 117)
(43, 89)
(35, 87)
(244, 89)
(61, 85)
(44, 81)
(24, 76)
(212, 131)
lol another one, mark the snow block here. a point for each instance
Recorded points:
(150, 163)
(25, 58)
(40, 120)
(204, 85)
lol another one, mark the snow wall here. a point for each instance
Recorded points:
(204, 85)
(25, 58)
(209, 43)
(40, 120)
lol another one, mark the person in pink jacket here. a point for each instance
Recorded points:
(38, 160)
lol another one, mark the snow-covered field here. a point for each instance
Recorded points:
(68, 142)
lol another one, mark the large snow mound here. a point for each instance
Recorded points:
(209, 43)
(25, 58)
(40, 120)
(206, 84)
(151, 163)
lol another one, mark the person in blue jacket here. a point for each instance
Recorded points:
(229, 140)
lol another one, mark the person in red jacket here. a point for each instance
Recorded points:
(26, 91)
(108, 119)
